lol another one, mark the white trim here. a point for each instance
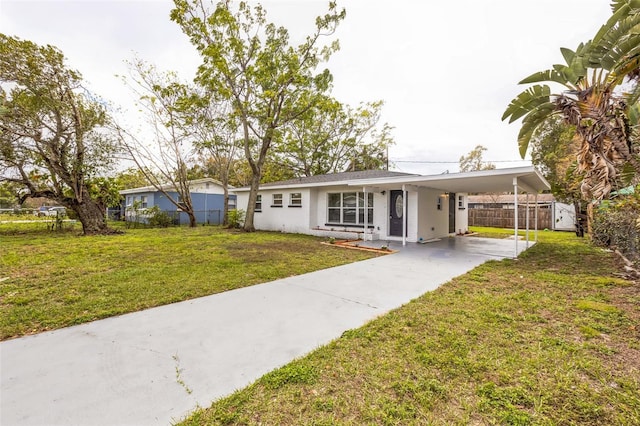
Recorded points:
(170, 187)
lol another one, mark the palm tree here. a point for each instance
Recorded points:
(593, 101)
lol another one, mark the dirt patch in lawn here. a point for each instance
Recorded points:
(356, 245)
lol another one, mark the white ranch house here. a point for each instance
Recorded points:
(382, 205)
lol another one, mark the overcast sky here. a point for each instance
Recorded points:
(445, 70)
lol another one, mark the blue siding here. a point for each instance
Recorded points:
(208, 207)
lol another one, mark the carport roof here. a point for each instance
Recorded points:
(498, 180)
(527, 178)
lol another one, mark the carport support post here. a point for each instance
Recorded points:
(515, 216)
(404, 215)
(527, 220)
(366, 214)
(535, 233)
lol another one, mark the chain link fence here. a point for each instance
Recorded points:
(165, 218)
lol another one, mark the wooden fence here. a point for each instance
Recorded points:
(504, 218)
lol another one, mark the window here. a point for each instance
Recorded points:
(232, 203)
(258, 203)
(350, 208)
(295, 199)
(182, 206)
(143, 201)
(277, 200)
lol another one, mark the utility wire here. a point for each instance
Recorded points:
(454, 162)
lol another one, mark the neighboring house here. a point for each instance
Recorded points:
(381, 205)
(497, 210)
(207, 196)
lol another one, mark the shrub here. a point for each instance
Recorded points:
(616, 224)
(159, 218)
(236, 218)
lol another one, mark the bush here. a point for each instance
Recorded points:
(159, 218)
(236, 218)
(616, 224)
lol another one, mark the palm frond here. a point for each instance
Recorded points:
(531, 122)
(622, 51)
(548, 75)
(634, 108)
(567, 54)
(610, 35)
(627, 174)
(527, 101)
(621, 10)
(617, 4)
(570, 76)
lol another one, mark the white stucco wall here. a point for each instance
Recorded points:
(433, 223)
(424, 219)
(285, 218)
(313, 214)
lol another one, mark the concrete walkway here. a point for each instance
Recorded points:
(156, 366)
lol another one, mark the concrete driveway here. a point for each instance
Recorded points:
(156, 366)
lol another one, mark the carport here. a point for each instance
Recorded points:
(515, 180)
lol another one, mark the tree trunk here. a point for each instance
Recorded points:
(224, 175)
(251, 204)
(192, 219)
(92, 216)
(225, 207)
(590, 207)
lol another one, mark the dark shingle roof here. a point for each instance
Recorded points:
(337, 177)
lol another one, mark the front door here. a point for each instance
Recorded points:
(396, 213)
(452, 212)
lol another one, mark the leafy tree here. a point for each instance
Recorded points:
(164, 163)
(53, 142)
(555, 154)
(332, 138)
(473, 161)
(592, 102)
(131, 178)
(250, 63)
(9, 195)
(272, 171)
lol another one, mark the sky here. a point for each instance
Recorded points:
(446, 71)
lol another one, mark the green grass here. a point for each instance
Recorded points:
(550, 338)
(50, 280)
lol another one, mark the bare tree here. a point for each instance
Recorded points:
(216, 136)
(164, 159)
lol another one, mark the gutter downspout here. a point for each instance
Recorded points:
(515, 221)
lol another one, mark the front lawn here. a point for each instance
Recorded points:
(50, 280)
(550, 338)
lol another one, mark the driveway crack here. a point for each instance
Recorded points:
(346, 299)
